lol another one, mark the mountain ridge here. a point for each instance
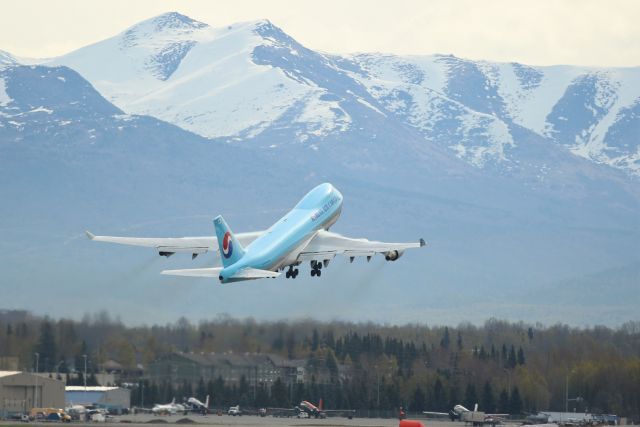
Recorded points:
(264, 75)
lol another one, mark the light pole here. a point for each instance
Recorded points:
(37, 368)
(58, 369)
(378, 386)
(566, 394)
(85, 372)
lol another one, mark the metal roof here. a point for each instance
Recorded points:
(238, 360)
(89, 388)
(9, 373)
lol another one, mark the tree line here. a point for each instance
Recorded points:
(503, 366)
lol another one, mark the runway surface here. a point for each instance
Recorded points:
(140, 420)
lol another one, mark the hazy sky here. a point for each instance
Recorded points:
(541, 32)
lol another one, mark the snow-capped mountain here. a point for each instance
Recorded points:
(160, 128)
(187, 73)
(584, 109)
(251, 79)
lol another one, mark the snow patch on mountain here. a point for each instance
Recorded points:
(322, 116)
(167, 38)
(484, 139)
(5, 99)
(408, 91)
(6, 58)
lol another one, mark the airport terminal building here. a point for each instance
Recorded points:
(21, 391)
(259, 368)
(256, 368)
(115, 399)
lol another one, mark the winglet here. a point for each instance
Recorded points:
(422, 242)
(89, 234)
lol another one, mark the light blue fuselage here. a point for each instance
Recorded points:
(318, 210)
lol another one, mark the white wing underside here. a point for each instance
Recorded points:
(194, 245)
(325, 245)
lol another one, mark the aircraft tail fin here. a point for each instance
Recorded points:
(206, 402)
(230, 248)
(321, 404)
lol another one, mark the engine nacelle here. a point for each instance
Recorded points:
(393, 255)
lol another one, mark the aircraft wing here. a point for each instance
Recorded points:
(436, 414)
(169, 245)
(282, 412)
(194, 272)
(338, 412)
(325, 245)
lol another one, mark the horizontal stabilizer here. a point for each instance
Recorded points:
(195, 272)
(244, 274)
(254, 273)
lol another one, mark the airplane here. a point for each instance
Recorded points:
(477, 418)
(307, 409)
(198, 406)
(537, 419)
(302, 235)
(169, 408)
(76, 411)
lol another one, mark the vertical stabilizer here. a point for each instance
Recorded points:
(206, 402)
(230, 249)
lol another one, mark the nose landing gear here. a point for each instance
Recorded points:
(291, 273)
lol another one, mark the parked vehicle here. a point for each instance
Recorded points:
(234, 410)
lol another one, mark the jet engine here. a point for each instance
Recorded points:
(393, 255)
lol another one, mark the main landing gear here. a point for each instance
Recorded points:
(292, 273)
(316, 268)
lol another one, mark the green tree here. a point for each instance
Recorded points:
(445, 340)
(46, 348)
(279, 395)
(418, 400)
(488, 401)
(439, 401)
(470, 396)
(515, 402)
(511, 361)
(291, 345)
(503, 402)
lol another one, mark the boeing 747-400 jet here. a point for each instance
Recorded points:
(301, 235)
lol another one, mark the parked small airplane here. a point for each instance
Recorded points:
(309, 410)
(301, 235)
(477, 418)
(76, 412)
(169, 408)
(198, 406)
(537, 419)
